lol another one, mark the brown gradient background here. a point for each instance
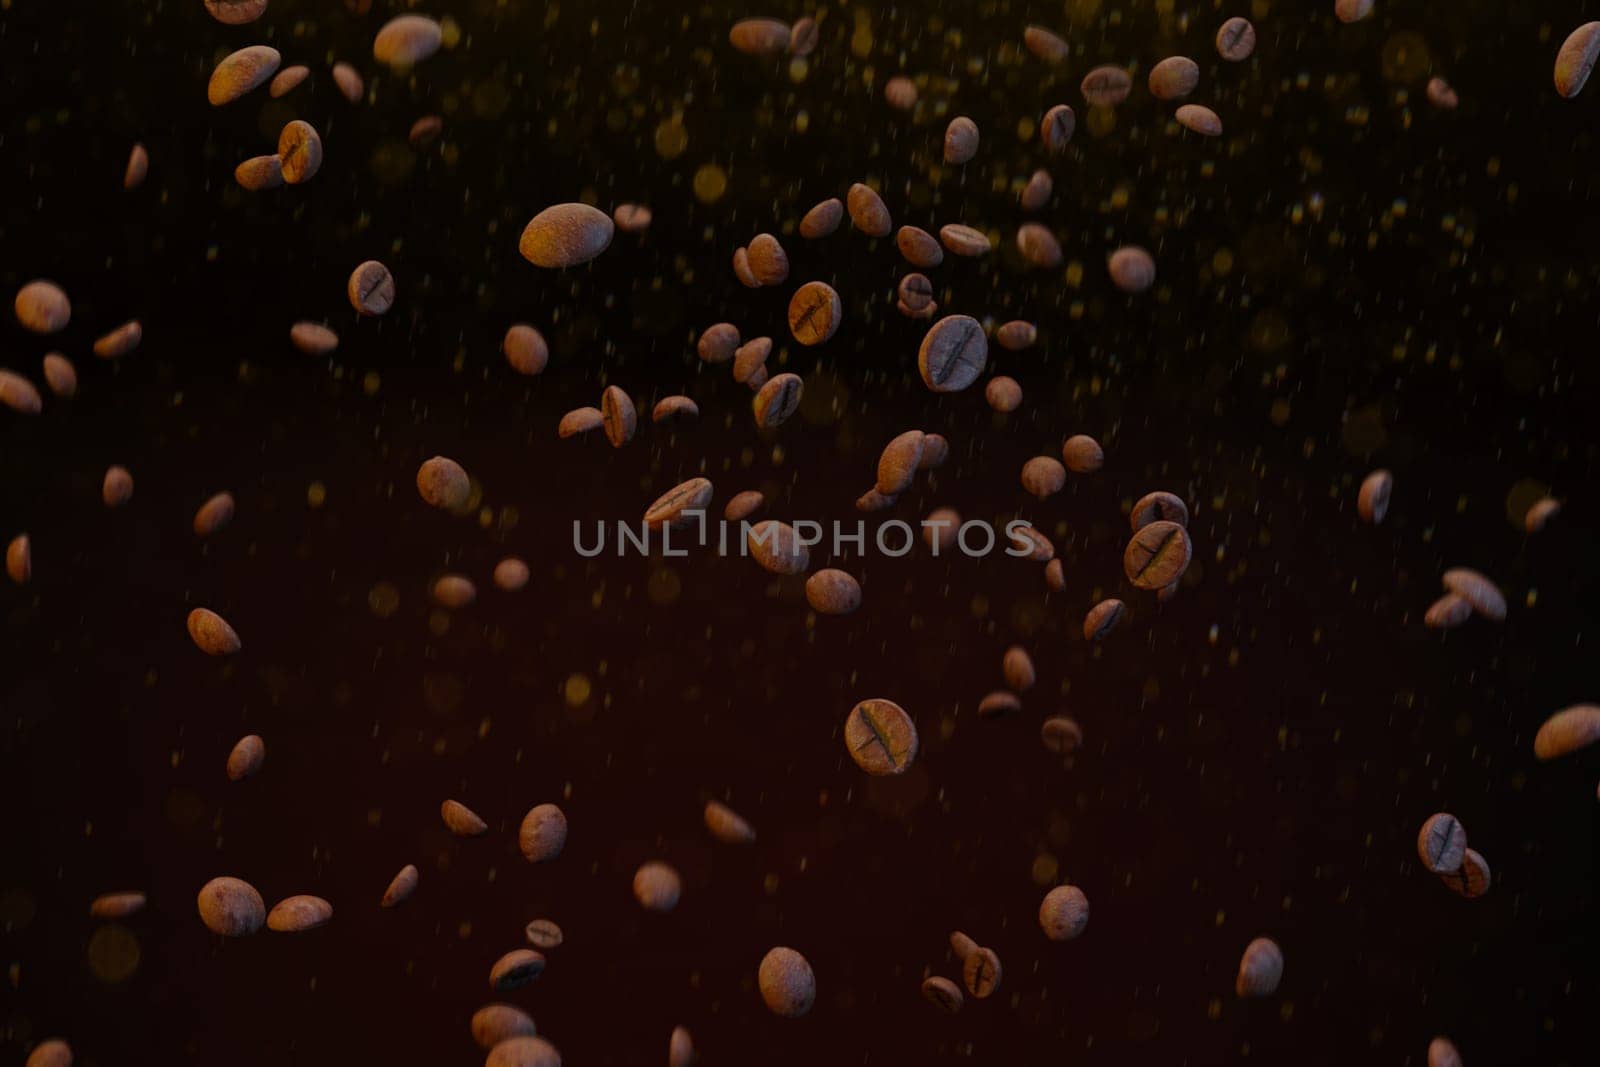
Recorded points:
(1267, 781)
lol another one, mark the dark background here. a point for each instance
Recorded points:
(1259, 752)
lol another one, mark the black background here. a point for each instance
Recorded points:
(1267, 780)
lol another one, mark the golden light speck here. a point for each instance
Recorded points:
(577, 690)
(671, 138)
(1045, 868)
(383, 600)
(113, 953)
(316, 494)
(710, 182)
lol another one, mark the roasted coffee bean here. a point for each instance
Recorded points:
(1198, 119)
(1441, 95)
(511, 574)
(1236, 40)
(400, 887)
(1037, 545)
(231, 907)
(1174, 78)
(942, 994)
(777, 548)
(872, 501)
(750, 361)
(116, 489)
(543, 833)
(425, 132)
(19, 559)
(880, 737)
(1103, 618)
(351, 87)
(822, 220)
(919, 248)
(1043, 476)
(618, 416)
(941, 530)
(258, 173)
(443, 483)
(454, 591)
(1567, 731)
(214, 514)
(670, 507)
(1016, 335)
(494, 1023)
(1260, 969)
(962, 945)
(727, 825)
(964, 240)
(1131, 268)
(566, 235)
(1442, 843)
(915, 291)
(1082, 454)
(1448, 612)
(371, 288)
(935, 450)
(1055, 576)
(52, 1053)
(525, 349)
(119, 342)
(1543, 510)
(925, 312)
(294, 915)
(1044, 44)
(406, 40)
(580, 421)
(787, 984)
(314, 339)
(814, 313)
(768, 261)
(288, 80)
(867, 211)
(236, 12)
(133, 175)
(1158, 507)
(462, 820)
(1064, 913)
(657, 887)
(299, 152)
(980, 972)
(1472, 880)
(759, 37)
(1372, 502)
(1352, 10)
(1061, 735)
(1442, 1053)
(953, 354)
(1577, 59)
(212, 634)
(833, 592)
(1017, 668)
(246, 757)
(19, 394)
(632, 218)
(899, 462)
(1477, 590)
(743, 505)
(997, 704)
(718, 343)
(523, 1052)
(1106, 86)
(1038, 246)
(1005, 395)
(1157, 555)
(60, 375)
(543, 934)
(1057, 128)
(117, 905)
(803, 36)
(515, 969)
(243, 71)
(42, 307)
(680, 1047)
(960, 141)
(900, 92)
(1036, 194)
